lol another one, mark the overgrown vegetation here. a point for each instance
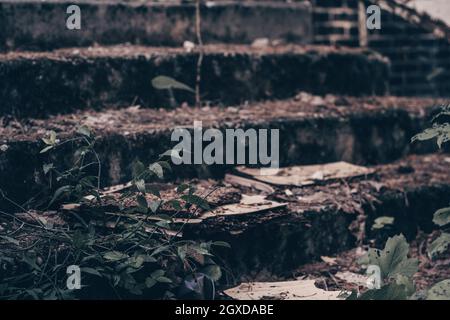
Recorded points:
(441, 131)
(126, 247)
(396, 268)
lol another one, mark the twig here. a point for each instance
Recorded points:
(200, 57)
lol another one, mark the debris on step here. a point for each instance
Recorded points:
(307, 175)
(329, 260)
(126, 70)
(151, 22)
(310, 134)
(284, 290)
(283, 231)
(244, 182)
(347, 274)
(248, 205)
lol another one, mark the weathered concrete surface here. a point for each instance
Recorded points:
(327, 219)
(42, 25)
(319, 220)
(358, 130)
(40, 84)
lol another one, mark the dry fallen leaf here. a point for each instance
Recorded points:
(306, 175)
(328, 260)
(247, 205)
(284, 290)
(241, 181)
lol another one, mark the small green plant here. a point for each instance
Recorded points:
(440, 131)
(125, 247)
(397, 272)
(396, 268)
(170, 84)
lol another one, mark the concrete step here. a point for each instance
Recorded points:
(41, 25)
(327, 219)
(317, 220)
(312, 129)
(44, 83)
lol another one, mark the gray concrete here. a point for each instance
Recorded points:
(42, 25)
(40, 84)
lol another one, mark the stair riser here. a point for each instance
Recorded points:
(280, 246)
(364, 139)
(42, 26)
(41, 87)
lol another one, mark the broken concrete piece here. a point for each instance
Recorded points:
(307, 175)
(250, 183)
(247, 205)
(284, 290)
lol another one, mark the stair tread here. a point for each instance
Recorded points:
(280, 240)
(404, 176)
(38, 84)
(135, 120)
(136, 51)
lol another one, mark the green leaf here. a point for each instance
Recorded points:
(182, 250)
(59, 192)
(407, 282)
(157, 169)
(393, 259)
(84, 130)
(441, 131)
(427, 134)
(164, 280)
(91, 271)
(173, 153)
(46, 149)
(142, 201)
(213, 272)
(198, 201)
(440, 291)
(154, 205)
(392, 291)
(182, 187)
(153, 190)
(157, 273)
(136, 261)
(175, 204)
(138, 169)
(439, 246)
(221, 244)
(442, 217)
(114, 256)
(150, 282)
(166, 83)
(140, 185)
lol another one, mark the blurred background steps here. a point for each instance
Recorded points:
(36, 25)
(312, 130)
(38, 84)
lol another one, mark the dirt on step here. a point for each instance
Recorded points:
(135, 119)
(330, 272)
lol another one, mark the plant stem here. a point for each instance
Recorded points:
(200, 57)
